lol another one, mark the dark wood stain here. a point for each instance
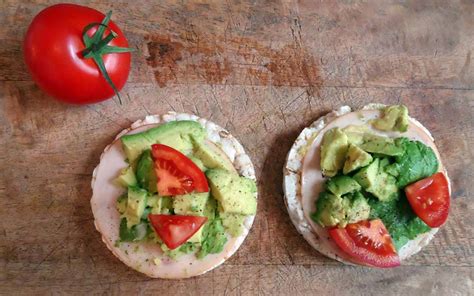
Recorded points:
(235, 61)
(164, 55)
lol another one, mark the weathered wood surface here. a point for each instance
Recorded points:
(264, 71)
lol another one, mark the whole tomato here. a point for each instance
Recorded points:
(64, 47)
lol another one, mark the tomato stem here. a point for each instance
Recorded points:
(96, 47)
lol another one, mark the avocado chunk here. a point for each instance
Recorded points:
(176, 134)
(333, 151)
(146, 175)
(394, 118)
(122, 203)
(126, 177)
(212, 157)
(392, 169)
(134, 233)
(341, 185)
(235, 194)
(209, 211)
(136, 203)
(233, 223)
(160, 204)
(175, 254)
(359, 209)
(192, 204)
(356, 158)
(367, 176)
(375, 180)
(330, 210)
(198, 163)
(381, 145)
(355, 133)
(214, 238)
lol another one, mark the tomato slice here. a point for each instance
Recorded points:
(175, 230)
(367, 242)
(176, 173)
(430, 199)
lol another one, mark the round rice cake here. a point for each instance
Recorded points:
(147, 257)
(303, 179)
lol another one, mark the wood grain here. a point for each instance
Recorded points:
(276, 280)
(264, 71)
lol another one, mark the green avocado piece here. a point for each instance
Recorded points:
(176, 134)
(233, 223)
(136, 203)
(367, 176)
(126, 177)
(394, 118)
(341, 185)
(359, 209)
(192, 204)
(355, 159)
(132, 234)
(375, 180)
(330, 210)
(175, 254)
(122, 203)
(160, 204)
(392, 169)
(210, 209)
(381, 145)
(198, 162)
(333, 151)
(146, 175)
(235, 194)
(355, 133)
(383, 163)
(211, 157)
(214, 238)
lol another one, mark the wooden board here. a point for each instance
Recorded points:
(264, 71)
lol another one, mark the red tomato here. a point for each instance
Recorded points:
(367, 242)
(176, 173)
(52, 50)
(175, 230)
(430, 199)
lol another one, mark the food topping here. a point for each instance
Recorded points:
(333, 151)
(176, 173)
(235, 194)
(170, 202)
(175, 230)
(390, 181)
(356, 158)
(367, 242)
(430, 199)
(394, 118)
